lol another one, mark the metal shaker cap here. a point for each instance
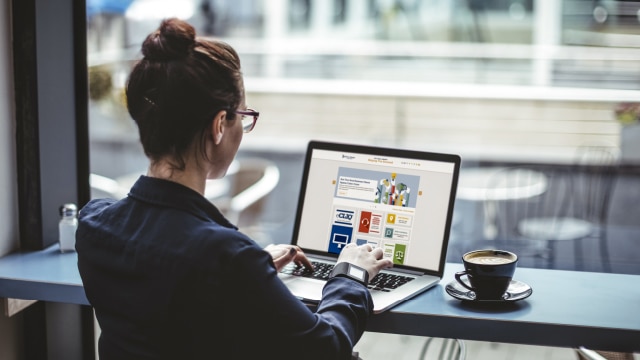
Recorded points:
(69, 209)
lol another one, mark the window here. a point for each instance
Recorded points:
(501, 82)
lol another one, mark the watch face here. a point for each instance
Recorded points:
(356, 273)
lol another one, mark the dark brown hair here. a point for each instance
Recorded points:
(174, 92)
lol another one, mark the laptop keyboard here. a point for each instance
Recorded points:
(321, 271)
(388, 282)
(382, 281)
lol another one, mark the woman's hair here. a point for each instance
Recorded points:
(175, 91)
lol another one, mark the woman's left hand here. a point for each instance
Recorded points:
(284, 254)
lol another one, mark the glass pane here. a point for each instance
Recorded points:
(502, 82)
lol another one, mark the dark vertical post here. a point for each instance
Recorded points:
(26, 112)
(82, 100)
(28, 159)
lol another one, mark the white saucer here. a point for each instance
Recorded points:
(517, 291)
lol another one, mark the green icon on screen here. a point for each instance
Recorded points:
(398, 254)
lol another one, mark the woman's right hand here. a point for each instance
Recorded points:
(365, 257)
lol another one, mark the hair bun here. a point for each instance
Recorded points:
(173, 40)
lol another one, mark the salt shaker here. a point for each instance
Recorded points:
(67, 227)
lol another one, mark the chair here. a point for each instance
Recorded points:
(238, 195)
(574, 207)
(587, 354)
(447, 349)
(105, 187)
(525, 222)
(597, 178)
(252, 180)
(118, 188)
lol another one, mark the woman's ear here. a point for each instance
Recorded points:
(218, 126)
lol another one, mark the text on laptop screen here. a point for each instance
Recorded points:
(397, 204)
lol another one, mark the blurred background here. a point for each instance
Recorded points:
(503, 83)
(513, 86)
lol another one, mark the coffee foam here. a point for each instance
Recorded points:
(489, 259)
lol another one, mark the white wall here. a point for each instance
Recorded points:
(10, 328)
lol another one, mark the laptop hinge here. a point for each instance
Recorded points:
(322, 257)
(405, 271)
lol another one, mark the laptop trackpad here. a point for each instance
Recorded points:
(305, 288)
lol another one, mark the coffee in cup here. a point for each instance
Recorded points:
(489, 273)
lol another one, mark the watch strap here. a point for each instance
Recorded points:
(345, 269)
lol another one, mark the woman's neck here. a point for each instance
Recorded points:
(191, 176)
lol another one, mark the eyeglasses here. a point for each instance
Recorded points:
(249, 119)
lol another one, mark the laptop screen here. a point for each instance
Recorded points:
(398, 200)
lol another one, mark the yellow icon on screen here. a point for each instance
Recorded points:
(391, 218)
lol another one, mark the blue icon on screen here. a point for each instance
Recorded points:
(340, 236)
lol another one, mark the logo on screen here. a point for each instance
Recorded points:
(344, 217)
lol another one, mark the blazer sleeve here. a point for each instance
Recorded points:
(281, 321)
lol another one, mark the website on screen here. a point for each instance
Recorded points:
(399, 205)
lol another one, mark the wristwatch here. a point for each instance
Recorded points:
(349, 270)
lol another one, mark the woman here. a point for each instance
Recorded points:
(168, 276)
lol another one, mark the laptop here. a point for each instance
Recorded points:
(398, 200)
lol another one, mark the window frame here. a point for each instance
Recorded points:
(51, 113)
(52, 152)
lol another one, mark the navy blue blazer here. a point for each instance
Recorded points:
(170, 278)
